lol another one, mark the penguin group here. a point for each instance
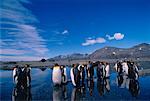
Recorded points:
(21, 76)
(127, 68)
(22, 81)
(81, 72)
(128, 76)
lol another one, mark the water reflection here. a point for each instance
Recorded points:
(21, 93)
(64, 90)
(119, 80)
(57, 93)
(134, 87)
(90, 85)
(98, 89)
(42, 69)
(60, 93)
(131, 84)
(77, 94)
(103, 85)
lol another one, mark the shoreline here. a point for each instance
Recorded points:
(144, 72)
(62, 62)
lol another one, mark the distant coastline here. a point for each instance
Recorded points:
(9, 65)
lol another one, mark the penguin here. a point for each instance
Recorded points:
(15, 76)
(118, 67)
(101, 70)
(88, 69)
(133, 71)
(125, 67)
(75, 75)
(136, 72)
(82, 74)
(28, 70)
(72, 76)
(107, 74)
(115, 67)
(64, 74)
(56, 75)
(77, 72)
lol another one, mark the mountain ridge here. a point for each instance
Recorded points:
(109, 52)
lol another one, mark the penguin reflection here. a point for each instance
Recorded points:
(119, 80)
(21, 94)
(107, 84)
(90, 85)
(75, 96)
(57, 93)
(131, 84)
(134, 87)
(64, 92)
(122, 81)
(60, 92)
(103, 85)
(83, 90)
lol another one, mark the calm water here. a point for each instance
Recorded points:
(42, 88)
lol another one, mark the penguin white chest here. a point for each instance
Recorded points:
(125, 67)
(72, 77)
(56, 75)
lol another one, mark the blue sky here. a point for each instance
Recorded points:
(35, 29)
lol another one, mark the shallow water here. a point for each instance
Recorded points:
(42, 88)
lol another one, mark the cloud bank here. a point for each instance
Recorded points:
(116, 36)
(19, 35)
(93, 41)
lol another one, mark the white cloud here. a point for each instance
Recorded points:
(2, 43)
(21, 58)
(91, 41)
(109, 37)
(89, 38)
(65, 32)
(12, 52)
(100, 40)
(116, 36)
(94, 41)
(20, 35)
(30, 32)
(16, 12)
